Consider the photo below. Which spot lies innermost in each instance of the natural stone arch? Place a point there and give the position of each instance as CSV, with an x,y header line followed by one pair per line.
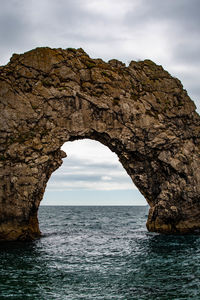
x,y
50,96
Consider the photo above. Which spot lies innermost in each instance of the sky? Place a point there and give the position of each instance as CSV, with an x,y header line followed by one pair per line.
x,y
167,32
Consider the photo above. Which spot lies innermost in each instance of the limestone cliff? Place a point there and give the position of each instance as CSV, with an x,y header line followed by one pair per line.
x,y
50,96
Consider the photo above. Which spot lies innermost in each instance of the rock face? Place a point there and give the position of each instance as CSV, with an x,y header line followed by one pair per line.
x,y
50,96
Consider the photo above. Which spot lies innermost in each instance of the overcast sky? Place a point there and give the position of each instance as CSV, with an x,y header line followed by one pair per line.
x,y
168,32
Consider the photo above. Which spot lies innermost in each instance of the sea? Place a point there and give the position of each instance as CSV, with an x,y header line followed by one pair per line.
x,y
100,253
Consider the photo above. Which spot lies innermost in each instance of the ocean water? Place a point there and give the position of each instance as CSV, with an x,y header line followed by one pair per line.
x,y
100,253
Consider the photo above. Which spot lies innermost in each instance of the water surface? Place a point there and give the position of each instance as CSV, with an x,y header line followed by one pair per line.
x,y
100,253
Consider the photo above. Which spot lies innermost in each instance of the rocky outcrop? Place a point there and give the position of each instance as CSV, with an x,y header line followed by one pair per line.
x,y
50,96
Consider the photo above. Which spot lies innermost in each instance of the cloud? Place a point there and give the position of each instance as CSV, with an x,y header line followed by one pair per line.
x,y
106,178
90,166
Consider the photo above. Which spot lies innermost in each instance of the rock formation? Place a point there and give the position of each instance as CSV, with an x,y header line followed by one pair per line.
x,y
51,96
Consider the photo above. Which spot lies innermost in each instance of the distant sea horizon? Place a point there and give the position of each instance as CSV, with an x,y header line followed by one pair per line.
x,y
92,205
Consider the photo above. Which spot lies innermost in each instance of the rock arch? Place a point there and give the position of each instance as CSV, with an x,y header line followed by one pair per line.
x,y
50,96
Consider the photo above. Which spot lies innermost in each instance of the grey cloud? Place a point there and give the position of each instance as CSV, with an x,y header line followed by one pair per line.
x,y
196,90
86,174
70,12
73,162
77,177
180,12
87,178
188,54
14,27
181,17
11,30
70,20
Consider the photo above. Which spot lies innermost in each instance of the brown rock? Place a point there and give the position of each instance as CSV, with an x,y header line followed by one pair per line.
x,y
50,96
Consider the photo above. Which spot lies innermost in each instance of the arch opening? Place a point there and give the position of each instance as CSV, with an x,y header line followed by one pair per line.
x,y
91,175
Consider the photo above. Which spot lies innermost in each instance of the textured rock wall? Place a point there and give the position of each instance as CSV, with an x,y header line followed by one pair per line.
x,y
50,96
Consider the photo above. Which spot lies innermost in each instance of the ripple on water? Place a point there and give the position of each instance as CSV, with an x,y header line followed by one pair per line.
x,y
100,253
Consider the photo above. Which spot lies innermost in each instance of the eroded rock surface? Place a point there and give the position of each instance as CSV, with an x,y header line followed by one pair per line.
x,y
50,96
